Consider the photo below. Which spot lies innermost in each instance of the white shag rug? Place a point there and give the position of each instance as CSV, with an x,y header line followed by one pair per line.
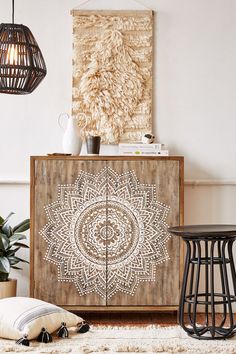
x,y
151,339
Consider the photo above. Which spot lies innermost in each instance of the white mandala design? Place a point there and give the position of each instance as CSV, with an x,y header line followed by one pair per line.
x,y
106,232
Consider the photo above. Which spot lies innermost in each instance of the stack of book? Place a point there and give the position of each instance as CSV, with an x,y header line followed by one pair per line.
x,y
142,149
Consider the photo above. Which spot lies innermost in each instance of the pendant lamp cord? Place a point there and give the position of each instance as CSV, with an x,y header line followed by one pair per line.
x,y
13,11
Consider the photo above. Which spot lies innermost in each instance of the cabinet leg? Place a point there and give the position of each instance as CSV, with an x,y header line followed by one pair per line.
x,y
177,318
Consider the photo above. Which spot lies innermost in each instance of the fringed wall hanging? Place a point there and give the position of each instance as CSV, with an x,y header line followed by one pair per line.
x,y
112,73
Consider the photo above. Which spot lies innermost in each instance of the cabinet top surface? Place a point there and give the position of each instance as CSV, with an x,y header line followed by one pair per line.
x,y
107,158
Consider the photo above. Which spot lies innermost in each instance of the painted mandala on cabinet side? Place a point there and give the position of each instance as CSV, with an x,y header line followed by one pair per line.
x,y
106,232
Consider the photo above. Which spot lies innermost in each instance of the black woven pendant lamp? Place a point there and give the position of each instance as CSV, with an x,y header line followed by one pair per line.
x,y
22,66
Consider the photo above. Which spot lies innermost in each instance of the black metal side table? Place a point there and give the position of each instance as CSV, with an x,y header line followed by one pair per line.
x,y
208,255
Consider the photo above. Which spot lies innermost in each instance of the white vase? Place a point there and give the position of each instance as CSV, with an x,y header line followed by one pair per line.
x,y
72,142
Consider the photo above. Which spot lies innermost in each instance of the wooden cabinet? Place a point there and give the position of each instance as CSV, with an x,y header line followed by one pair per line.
x,y
99,231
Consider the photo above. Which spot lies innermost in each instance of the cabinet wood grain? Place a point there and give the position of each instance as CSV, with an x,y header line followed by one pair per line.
x,y
98,231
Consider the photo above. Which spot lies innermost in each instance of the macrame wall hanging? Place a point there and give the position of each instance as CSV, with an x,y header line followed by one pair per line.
x,y
112,73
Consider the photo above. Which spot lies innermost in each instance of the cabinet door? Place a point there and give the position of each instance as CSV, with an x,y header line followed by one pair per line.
x,y
142,258
68,208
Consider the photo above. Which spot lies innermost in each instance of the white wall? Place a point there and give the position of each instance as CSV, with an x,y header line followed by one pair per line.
x,y
194,99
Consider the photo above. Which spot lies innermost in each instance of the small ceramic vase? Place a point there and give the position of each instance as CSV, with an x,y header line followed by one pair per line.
x,y
72,140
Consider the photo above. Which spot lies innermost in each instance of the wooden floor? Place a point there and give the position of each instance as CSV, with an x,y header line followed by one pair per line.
x,y
131,319
136,319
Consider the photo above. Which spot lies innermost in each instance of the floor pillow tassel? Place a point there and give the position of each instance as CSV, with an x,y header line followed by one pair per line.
x,y
44,336
23,341
83,327
63,331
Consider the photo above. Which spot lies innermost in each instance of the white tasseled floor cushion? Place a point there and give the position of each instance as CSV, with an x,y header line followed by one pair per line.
x,y
21,316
